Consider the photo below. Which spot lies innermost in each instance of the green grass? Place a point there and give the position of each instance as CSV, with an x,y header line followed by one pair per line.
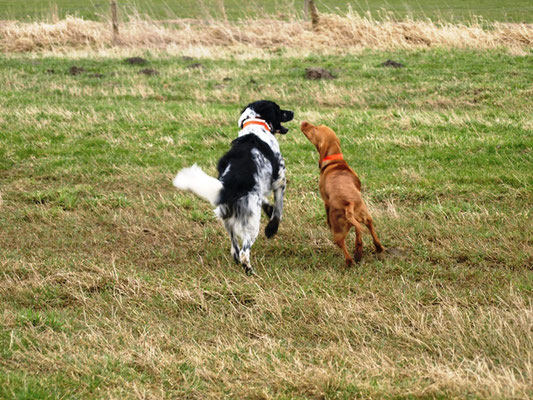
x,y
448,10
115,285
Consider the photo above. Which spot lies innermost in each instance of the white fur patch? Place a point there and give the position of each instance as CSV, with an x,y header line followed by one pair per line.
x,y
246,114
198,182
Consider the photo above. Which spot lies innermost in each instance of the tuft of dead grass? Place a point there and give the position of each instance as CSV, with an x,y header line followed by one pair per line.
x,y
335,33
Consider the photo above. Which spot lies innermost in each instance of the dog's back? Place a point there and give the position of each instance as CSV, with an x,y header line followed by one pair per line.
x,y
341,188
249,161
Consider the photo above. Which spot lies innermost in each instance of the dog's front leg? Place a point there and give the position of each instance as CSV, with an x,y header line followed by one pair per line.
x,y
267,208
279,192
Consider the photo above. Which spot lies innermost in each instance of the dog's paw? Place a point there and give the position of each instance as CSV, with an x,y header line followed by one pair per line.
x,y
268,209
272,227
248,270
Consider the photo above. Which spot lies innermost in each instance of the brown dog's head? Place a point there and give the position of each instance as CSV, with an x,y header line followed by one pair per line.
x,y
324,139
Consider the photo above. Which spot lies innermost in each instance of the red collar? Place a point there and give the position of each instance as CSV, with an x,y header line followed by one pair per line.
x,y
259,122
331,157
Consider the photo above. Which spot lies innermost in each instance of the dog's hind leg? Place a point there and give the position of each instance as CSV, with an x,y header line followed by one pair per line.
x,y
358,253
267,208
275,218
370,225
245,257
249,235
234,242
340,228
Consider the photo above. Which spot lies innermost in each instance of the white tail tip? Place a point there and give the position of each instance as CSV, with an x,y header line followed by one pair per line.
x,y
197,181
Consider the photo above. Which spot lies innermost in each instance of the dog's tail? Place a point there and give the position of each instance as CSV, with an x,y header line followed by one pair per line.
x,y
350,216
198,182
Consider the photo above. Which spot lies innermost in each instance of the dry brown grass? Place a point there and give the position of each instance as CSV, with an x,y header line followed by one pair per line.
x,y
219,336
334,34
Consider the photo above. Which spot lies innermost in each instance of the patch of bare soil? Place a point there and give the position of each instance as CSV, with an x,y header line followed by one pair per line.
x,y
392,64
76,70
318,73
136,61
149,71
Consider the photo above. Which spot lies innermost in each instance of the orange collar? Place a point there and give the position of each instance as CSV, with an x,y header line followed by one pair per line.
x,y
331,157
256,122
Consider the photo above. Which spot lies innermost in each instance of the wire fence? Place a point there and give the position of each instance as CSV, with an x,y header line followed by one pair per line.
x,y
445,10
330,32
31,10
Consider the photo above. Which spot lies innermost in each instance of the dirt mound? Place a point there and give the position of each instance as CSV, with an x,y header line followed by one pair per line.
x,y
149,72
318,73
76,70
195,66
392,64
136,61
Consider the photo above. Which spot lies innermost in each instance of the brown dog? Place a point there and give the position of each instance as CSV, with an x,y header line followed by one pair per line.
x,y
341,191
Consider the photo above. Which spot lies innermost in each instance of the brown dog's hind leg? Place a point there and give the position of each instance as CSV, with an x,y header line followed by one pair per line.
x,y
377,243
340,229
358,254
340,241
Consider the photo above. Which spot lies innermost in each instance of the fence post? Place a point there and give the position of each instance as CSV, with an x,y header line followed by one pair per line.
x,y
310,9
114,18
55,14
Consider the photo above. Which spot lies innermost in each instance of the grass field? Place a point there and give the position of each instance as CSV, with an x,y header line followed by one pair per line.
x,y
114,285
447,10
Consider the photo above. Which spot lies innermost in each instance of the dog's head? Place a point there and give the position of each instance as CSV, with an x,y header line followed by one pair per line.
x,y
324,139
268,111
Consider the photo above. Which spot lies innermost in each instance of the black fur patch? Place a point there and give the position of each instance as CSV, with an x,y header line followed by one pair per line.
x,y
272,227
268,209
240,180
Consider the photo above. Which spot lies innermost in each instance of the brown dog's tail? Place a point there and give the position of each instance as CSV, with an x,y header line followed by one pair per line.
x,y
348,210
350,216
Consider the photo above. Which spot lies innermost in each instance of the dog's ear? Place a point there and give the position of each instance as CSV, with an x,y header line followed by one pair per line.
x,y
273,114
329,141
310,133
267,112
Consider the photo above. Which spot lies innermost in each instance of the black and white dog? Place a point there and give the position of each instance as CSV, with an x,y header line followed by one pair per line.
x,y
247,174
